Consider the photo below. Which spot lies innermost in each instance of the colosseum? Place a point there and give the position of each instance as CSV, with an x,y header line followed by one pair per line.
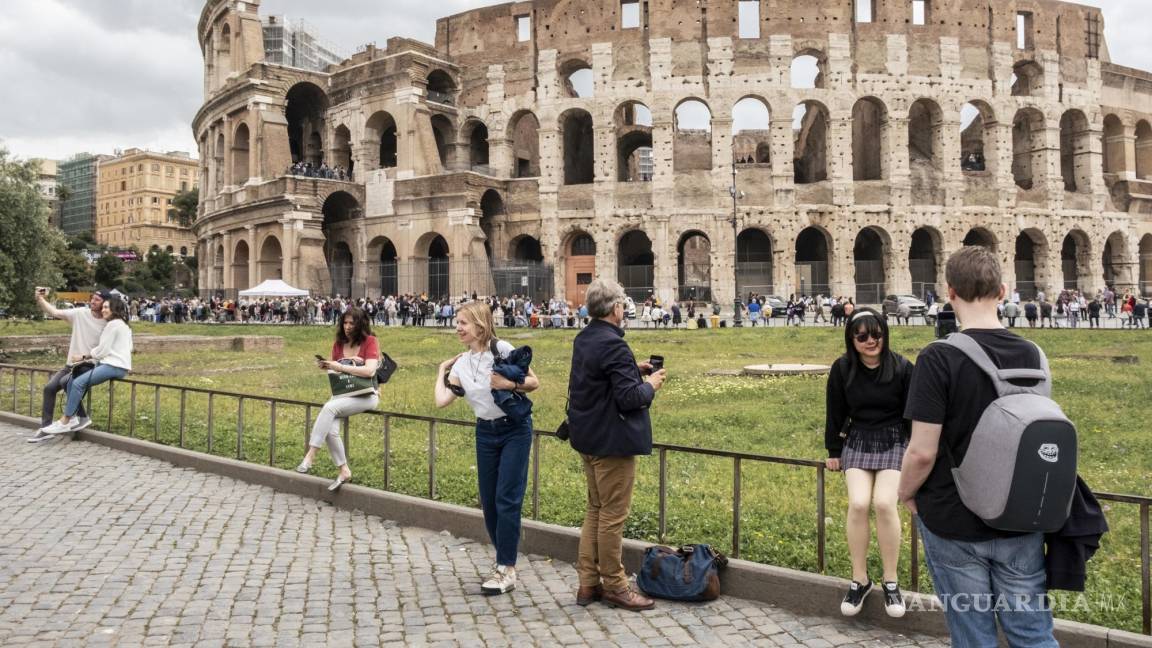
x,y
688,148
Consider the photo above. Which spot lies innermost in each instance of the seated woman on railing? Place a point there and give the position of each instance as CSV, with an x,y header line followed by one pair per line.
x,y
111,359
355,352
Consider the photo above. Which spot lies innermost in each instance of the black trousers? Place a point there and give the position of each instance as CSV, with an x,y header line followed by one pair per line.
x,y
58,382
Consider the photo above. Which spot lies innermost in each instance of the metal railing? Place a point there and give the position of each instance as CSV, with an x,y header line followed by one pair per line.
x,y
662,450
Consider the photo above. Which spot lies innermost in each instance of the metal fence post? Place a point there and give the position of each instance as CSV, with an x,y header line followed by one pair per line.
x,y
1145,571
111,402
821,529
432,460
914,561
736,507
132,411
387,451
183,414
272,434
535,476
211,419
240,428
663,495
156,415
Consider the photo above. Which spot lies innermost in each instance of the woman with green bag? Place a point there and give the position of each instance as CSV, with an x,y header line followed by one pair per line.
x,y
356,353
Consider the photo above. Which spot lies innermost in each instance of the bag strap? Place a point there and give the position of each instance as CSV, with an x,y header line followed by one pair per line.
x,y
1001,377
495,352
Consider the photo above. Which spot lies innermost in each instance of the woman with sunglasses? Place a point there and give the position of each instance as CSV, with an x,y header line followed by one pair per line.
x,y
866,435
503,442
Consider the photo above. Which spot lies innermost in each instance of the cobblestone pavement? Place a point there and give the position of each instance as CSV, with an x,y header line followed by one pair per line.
x,y
100,547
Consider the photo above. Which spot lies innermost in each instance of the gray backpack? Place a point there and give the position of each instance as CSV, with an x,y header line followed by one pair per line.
x,y
1020,470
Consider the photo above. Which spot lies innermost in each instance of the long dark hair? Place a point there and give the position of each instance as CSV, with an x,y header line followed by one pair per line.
x,y
362,327
868,320
117,308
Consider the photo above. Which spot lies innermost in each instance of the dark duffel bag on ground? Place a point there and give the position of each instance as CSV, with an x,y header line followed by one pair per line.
x,y
690,573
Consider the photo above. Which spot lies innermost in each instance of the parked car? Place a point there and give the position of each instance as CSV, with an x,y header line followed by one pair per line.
x,y
778,306
892,304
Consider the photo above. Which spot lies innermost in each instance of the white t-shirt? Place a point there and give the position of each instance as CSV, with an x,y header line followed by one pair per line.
x,y
474,371
86,330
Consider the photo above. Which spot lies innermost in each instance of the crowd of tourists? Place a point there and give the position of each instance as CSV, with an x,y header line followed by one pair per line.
x,y
899,433
325,172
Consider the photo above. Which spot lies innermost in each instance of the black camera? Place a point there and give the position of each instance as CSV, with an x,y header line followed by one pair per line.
x,y
657,362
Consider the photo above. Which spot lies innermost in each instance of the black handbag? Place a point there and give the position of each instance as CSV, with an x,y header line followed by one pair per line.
x,y
563,431
82,367
386,368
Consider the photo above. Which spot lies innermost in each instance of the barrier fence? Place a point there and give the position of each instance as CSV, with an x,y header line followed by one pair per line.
x,y
14,377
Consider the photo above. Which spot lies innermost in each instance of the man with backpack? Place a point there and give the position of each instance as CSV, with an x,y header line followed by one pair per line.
x,y
984,567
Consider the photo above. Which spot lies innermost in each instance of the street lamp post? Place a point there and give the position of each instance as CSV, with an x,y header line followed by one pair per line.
x,y
736,195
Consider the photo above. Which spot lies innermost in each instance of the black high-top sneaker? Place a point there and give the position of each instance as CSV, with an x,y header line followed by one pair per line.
x,y
854,599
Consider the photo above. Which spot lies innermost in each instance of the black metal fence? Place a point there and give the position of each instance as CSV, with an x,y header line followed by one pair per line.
x,y
14,378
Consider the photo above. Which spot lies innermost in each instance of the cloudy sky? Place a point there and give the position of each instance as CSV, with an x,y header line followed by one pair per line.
x,y
97,75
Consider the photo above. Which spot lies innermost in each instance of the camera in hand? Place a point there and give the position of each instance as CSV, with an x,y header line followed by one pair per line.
x,y
657,362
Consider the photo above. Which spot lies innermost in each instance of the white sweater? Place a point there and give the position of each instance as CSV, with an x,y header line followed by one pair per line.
x,y
115,348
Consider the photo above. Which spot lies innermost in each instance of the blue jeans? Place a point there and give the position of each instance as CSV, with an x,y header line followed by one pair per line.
x,y
980,582
79,386
502,450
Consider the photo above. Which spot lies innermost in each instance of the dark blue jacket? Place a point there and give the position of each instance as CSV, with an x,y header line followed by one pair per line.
x,y
608,406
514,368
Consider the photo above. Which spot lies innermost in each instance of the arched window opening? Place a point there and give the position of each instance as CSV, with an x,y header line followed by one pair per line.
x,y
981,237
439,269
810,134
1143,150
694,268
812,263
1030,248
868,255
1074,256
924,263
306,108
381,130
240,155
443,134
634,158
1027,79
271,263
579,267
869,139
925,133
751,132
527,248
1075,151
579,152
1115,261
1146,265
525,136
1114,157
977,135
692,139
808,70
635,265
342,149
478,147
578,79
583,245
491,210
389,276
754,271
240,278
1028,149
441,88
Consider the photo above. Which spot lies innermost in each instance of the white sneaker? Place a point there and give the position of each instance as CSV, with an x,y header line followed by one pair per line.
x,y
41,436
60,427
81,423
501,581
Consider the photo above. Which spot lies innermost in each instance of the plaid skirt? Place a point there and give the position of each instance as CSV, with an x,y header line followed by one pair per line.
x,y
881,449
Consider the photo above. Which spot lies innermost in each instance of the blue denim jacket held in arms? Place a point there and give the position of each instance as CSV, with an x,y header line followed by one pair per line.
x,y
608,406
515,368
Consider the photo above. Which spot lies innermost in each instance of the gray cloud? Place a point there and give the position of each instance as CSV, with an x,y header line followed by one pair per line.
x,y
102,74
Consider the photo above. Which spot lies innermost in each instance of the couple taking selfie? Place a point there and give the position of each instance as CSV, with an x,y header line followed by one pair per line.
x,y
607,415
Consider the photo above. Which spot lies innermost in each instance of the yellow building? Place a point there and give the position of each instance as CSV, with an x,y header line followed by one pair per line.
x,y
134,201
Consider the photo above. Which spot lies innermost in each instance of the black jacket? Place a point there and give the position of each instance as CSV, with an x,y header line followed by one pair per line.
x,y
608,406
1068,550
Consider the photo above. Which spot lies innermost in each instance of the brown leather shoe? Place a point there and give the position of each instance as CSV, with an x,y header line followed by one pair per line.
x,y
588,595
628,599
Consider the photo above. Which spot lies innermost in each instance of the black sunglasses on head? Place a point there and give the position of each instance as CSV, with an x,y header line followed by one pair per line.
x,y
863,337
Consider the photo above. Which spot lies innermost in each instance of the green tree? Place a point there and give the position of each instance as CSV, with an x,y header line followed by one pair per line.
x,y
27,240
155,274
185,205
73,267
109,270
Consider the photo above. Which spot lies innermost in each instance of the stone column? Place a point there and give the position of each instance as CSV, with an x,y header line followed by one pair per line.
x,y
839,151
783,153
288,252
253,257
899,167
229,284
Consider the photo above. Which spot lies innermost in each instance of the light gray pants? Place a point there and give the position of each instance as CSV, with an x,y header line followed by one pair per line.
x,y
327,427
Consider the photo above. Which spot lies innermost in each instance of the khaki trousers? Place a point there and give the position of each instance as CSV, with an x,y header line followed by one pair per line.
x,y
610,481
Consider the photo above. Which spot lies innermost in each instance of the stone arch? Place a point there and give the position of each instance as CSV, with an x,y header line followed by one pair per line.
x,y
579,265
1143,150
694,267
1145,279
1117,268
1029,262
926,261
978,141
1028,148
342,149
492,209
982,237
381,134
577,79
752,131
218,267
441,87
218,161
270,263
241,154
813,254
306,106
340,210
692,136
634,152
926,132
526,248
444,133
1115,158
809,69
810,121
576,130
1075,260
439,268
635,264
383,250
754,262
1027,79
475,134
1075,151
240,259
524,134
869,139
226,64
870,252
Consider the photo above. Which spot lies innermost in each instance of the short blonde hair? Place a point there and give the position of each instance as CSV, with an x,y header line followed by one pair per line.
x,y
480,314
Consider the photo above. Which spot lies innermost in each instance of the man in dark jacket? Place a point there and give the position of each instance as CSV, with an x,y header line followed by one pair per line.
x,y
609,423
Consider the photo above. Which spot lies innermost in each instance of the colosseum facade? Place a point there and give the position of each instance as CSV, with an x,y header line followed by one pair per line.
x,y
689,148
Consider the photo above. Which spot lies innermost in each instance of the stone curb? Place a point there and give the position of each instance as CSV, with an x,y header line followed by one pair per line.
x,y
796,591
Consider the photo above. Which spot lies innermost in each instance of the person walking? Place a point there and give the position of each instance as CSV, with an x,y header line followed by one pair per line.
x,y
866,435
984,575
609,426
87,324
357,353
503,441
111,358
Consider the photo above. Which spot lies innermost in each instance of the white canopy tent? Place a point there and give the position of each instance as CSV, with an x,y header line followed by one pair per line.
x,y
273,288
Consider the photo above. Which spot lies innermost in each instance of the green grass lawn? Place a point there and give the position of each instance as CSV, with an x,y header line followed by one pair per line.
x,y
770,416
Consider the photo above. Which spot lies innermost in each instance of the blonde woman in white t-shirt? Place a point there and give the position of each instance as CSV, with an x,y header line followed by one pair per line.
x,y
503,443
113,358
